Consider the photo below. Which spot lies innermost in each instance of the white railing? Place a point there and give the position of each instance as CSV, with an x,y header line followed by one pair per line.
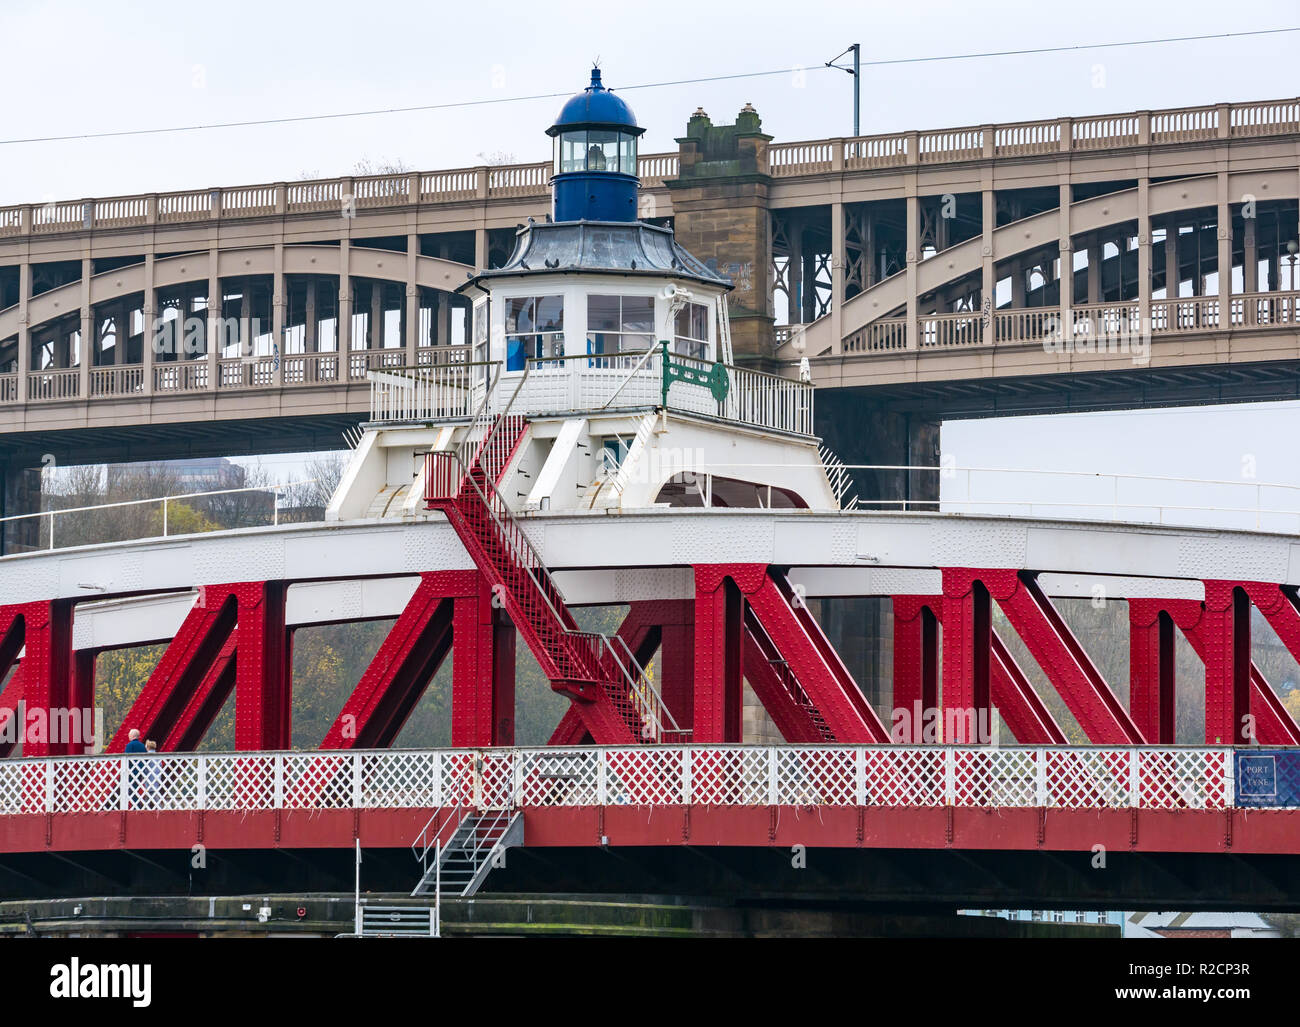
x,y
1120,320
61,384
181,376
1081,777
126,380
635,381
428,392
165,504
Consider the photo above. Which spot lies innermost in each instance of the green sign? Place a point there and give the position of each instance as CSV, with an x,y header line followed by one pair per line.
x,y
714,378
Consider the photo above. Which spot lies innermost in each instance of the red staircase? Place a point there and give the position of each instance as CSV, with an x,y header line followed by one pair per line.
x,y
616,701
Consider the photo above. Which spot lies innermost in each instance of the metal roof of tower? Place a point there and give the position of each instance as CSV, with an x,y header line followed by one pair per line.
x,y
595,107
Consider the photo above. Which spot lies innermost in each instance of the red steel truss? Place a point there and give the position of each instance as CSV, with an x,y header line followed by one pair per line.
x,y
745,623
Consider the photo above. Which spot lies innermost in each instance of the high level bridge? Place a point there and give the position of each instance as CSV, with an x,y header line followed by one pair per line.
x,y
918,271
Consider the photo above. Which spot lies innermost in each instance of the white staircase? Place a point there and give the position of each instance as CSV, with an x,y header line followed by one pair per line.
x,y
607,489
456,849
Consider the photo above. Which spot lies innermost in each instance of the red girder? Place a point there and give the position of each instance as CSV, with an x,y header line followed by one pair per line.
x,y
916,622
723,591
1216,636
1029,612
9,700
243,622
798,722
204,705
50,691
408,657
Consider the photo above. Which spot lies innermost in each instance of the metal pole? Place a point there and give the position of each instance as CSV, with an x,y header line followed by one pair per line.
x,y
857,87
437,889
357,907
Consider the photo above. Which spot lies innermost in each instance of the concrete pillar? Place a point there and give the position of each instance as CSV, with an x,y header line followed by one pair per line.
x,y
1172,271
721,210
1066,250
310,341
837,275
345,307
412,326
988,272
1250,257
88,339
20,493
913,258
1144,256
146,344
278,299
214,319
24,329
480,248
442,324
1223,224
1017,281
1096,254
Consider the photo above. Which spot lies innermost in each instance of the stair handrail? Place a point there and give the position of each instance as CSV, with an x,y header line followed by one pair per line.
x,y
425,842
657,710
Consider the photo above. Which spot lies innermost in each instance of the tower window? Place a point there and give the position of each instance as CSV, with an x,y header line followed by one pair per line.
x,y
619,325
691,335
596,150
534,329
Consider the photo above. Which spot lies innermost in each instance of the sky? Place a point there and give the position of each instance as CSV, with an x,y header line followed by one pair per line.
x,y
166,64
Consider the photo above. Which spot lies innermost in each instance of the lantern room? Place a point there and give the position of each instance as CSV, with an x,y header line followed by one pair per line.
x,y
595,171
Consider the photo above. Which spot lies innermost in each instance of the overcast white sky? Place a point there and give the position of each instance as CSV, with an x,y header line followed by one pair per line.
x,y
73,68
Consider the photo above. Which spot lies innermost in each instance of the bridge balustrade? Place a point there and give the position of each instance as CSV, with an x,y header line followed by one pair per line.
x,y
1081,777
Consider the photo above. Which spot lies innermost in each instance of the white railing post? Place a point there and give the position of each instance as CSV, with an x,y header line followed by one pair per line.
x,y
277,778
1229,778
1040,777
435,800
1134,777
356,780
771,775
949,775
860,775
686,776
124,785
49,786
602,794
201,788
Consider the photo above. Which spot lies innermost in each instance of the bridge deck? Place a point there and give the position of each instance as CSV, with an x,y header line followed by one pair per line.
x,y
1168,799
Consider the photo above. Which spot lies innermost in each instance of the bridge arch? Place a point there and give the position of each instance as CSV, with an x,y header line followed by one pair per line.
x,y
194,268
1041,230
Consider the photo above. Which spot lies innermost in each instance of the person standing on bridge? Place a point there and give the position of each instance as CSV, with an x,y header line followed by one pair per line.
x,y
133,748
152,775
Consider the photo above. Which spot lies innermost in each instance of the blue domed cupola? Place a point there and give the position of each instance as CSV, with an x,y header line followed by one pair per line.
x,y
595,176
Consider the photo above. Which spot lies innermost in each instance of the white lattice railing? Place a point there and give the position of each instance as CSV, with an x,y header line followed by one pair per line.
x,y
1080,777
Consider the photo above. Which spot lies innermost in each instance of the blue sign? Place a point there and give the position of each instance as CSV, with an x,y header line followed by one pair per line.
x,y
1267,779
